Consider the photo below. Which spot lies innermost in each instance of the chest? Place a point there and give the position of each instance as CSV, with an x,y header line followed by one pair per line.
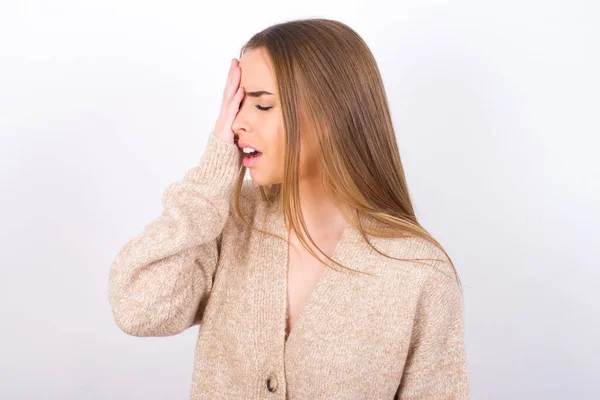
x,y
303,273
343,326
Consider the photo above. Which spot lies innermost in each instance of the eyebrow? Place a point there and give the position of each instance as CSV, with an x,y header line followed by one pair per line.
x,y
258,93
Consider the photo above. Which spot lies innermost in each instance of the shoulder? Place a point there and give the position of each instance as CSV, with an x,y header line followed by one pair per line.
x,y
415,251
419,258
439,277
432,256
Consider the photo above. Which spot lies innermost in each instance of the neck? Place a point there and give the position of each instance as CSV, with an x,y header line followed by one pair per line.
x,y
322,213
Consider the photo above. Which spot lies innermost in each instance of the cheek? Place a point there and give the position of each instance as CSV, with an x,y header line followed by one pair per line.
x,y
275,150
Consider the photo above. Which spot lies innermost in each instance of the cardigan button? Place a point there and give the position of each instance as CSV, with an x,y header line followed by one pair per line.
x,y
272,383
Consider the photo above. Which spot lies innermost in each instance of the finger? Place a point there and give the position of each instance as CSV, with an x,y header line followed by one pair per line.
x,y
234,104
232,84
229,74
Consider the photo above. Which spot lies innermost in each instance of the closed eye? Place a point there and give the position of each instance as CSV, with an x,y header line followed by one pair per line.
x,y
263,108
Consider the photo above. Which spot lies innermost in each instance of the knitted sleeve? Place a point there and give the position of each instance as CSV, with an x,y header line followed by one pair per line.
x,y
436,367
160,280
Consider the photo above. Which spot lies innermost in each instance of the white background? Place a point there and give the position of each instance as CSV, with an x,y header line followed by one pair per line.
x,y
495,105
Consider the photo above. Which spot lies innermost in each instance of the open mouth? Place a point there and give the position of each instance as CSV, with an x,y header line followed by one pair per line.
x,y
253,154
248,152
251,160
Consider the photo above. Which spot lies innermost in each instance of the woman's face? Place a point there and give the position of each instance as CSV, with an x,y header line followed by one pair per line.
x,y
263,128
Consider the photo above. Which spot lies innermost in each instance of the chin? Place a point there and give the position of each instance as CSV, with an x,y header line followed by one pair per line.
x,y
256,177
260,179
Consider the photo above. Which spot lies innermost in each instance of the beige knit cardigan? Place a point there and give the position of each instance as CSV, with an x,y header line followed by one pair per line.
x,y
395,335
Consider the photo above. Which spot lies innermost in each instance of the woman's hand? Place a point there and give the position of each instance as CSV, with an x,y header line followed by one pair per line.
x,y
232,97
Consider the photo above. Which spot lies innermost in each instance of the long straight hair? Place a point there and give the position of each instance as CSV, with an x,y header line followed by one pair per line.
x,y
331,89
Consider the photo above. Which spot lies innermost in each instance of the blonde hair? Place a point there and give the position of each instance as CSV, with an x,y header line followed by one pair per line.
x,y
325,69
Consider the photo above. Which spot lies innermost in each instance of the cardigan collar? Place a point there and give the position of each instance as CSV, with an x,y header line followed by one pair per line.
x,y
320,300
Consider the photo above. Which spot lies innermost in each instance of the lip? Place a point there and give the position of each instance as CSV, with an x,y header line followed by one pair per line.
x,y
241,145
250,162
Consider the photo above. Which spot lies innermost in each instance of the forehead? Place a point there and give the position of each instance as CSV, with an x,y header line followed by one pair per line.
x,y
257,73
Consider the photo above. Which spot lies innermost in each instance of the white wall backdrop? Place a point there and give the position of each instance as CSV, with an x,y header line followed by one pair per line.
x,y
496,106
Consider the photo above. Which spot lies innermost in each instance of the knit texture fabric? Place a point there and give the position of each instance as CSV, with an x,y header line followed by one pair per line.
x,y
395,335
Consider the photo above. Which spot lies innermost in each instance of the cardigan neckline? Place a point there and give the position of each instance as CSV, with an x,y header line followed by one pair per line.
x,y
312,304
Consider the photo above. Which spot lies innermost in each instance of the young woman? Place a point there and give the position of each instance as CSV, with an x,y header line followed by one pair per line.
x,y
313,279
